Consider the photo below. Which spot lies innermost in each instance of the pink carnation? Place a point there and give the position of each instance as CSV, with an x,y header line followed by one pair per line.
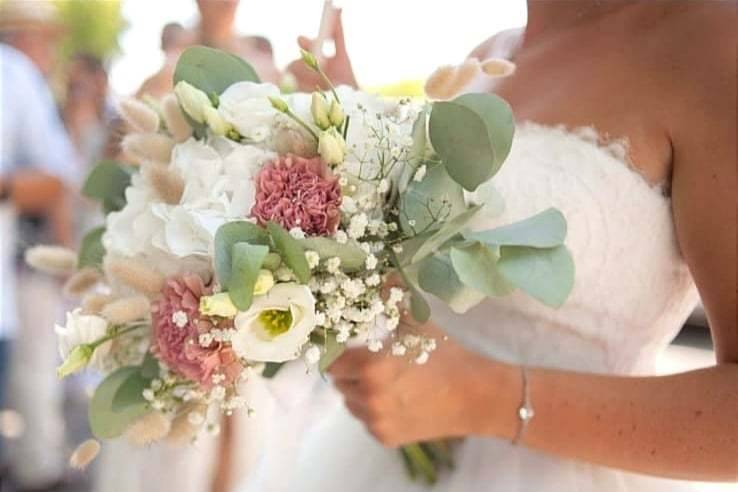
x,y
177,326
298,192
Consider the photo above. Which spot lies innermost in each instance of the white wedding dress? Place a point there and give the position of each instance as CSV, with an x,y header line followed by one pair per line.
x,y
632,294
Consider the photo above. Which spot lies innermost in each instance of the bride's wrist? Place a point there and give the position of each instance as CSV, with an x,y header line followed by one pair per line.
x,y
493,400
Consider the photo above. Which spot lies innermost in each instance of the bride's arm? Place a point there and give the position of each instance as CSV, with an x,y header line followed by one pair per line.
x,y
682,426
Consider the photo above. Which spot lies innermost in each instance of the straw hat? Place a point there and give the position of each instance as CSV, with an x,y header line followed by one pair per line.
x,y
21,15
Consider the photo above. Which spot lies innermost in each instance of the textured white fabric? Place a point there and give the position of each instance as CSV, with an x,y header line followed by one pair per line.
x,y
631,296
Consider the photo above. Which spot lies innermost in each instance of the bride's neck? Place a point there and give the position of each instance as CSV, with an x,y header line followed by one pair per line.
x,y
548,15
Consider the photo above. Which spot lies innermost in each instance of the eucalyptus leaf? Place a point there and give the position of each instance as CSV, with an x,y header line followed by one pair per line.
x,y
546,274
448,230
130,393
272,261
330,351
352,256
150,366
212,70
428,202
291,251
476,266
544,230
225,237
473,135
419,307
417,150
105,421
107,183
246,262
436,276
271,369
91,250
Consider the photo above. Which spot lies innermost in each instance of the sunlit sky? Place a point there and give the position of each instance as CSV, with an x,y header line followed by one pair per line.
x,y
388,40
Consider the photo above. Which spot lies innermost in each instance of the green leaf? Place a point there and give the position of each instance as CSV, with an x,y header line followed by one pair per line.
x,y
291,250
212,70
419,307
271,369
247,260
436,198
352,257
272,261
436,276
225,237
544,230
417,150
107,422
92,251
107,183
330,351
448,230
150,366
473,135
476,267
130,393
545,274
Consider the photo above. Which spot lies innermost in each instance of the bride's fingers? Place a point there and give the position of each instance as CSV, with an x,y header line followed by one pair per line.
x,y
351,364
338,38
305,43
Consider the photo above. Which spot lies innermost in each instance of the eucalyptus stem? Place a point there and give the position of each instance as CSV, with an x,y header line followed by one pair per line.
x,y
115,334
300,122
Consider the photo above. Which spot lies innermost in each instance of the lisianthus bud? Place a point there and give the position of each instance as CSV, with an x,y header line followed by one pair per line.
x,y
193,100
309,59
336,114
331,147
218,305
319,110
264,283
76,360
279,104
215,121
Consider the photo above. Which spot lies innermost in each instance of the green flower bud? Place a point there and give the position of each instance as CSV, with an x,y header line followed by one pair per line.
x,y
193,100
218,305
319,110
215,121
279,104
309,59
77,360
264,282
336,114
331,147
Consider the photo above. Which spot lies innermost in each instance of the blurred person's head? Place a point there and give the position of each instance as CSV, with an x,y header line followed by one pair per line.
x,y
87,79
33,28
174,38
217,17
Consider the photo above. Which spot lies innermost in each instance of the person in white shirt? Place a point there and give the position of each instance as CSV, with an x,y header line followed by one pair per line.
x,y
38,168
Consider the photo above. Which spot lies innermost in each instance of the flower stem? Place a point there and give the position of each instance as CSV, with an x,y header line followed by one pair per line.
x,y
302,124
116,332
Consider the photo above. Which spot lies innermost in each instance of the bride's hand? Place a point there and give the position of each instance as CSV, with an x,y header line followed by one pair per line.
x,y
401,402
337,67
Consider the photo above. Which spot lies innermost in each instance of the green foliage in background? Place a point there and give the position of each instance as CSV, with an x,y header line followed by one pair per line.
x,y
92,26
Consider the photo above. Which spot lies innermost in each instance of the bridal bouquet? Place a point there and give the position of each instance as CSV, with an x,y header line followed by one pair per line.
x,y
259,228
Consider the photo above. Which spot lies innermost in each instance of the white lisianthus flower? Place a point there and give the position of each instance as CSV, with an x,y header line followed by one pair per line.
x,y
246,106
277,324
193,100
79,330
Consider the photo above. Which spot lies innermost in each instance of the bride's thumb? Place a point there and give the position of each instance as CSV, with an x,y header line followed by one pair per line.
x,y
305,43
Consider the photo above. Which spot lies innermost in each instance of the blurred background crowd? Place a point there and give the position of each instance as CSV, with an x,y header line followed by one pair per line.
x,y
63,65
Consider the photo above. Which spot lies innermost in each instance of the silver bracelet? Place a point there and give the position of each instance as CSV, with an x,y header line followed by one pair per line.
x,y
525,412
